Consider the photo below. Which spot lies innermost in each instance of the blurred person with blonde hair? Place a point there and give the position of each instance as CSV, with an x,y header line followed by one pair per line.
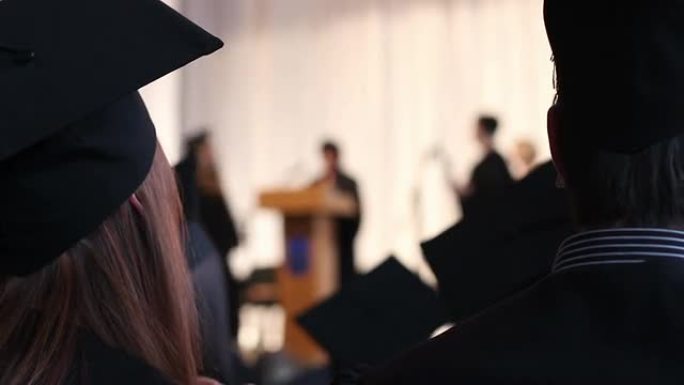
x,y
524,158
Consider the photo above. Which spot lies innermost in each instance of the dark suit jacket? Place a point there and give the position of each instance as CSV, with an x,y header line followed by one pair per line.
x,y
347,228
489,178
491,174
344,183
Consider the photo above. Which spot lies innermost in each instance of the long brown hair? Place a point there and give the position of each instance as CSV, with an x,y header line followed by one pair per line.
x,y
127,284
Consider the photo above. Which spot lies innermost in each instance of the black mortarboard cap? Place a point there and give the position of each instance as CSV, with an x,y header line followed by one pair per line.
x,y
376,316
506,243
620,67
76,139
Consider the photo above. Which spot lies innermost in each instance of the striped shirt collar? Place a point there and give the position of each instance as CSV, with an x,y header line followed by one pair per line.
x,y
619,246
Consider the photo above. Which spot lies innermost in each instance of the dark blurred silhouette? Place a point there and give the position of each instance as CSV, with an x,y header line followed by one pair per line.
x,y
210,279
215,216
213,209
347,227
491,174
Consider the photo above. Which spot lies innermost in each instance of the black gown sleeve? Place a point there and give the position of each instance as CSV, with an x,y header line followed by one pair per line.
x,y
99,364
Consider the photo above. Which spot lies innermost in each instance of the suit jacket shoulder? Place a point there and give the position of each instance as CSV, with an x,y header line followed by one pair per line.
x,y
346,183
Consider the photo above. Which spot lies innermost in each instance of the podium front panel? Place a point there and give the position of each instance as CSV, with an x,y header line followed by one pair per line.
x,y
308,276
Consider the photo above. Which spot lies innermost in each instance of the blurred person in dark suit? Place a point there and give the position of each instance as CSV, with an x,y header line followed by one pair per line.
x,y
347,227
491,174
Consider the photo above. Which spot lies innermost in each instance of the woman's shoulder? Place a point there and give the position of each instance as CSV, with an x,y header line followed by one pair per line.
x,y
99,364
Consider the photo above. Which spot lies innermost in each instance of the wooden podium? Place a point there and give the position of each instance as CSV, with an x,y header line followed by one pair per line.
x,y
310,271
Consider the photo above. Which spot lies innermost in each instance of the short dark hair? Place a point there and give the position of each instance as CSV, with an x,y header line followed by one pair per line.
x,y
330,146
607,188
198,140
489,123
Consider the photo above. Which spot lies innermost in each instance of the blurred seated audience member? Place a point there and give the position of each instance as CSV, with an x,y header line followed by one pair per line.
x,y
216,217
347,227
214,210
524,158
491,174
210,280
610,312
94,286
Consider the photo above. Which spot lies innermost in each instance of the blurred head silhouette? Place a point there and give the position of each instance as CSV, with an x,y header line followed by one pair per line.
x,y
485,131
331,156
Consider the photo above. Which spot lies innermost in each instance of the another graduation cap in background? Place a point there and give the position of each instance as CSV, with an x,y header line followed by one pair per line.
x,y
505,245
75,137
376,316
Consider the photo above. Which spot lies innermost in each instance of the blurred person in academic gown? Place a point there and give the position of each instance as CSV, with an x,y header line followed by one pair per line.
x,y
94,285
346,227
491,174
610,310
210,279
215,216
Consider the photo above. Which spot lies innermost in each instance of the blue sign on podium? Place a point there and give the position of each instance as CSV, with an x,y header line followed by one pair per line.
x,y
299,255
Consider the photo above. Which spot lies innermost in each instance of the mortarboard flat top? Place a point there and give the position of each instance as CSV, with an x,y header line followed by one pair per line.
x,y
75,138
620,66
376,316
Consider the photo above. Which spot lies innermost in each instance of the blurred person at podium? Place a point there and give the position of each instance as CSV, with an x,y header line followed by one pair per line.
x,y
347,227
491,174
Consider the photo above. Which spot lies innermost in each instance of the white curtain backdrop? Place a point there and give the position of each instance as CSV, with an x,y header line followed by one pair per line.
x,y
164,101
398,83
